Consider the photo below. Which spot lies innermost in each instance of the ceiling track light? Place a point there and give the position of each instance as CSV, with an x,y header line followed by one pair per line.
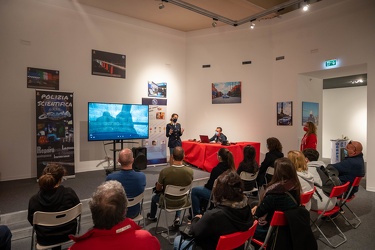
x,y
305,7
252,25
161,6
214,23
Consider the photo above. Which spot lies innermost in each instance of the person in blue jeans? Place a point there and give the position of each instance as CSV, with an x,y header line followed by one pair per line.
x,y
226,162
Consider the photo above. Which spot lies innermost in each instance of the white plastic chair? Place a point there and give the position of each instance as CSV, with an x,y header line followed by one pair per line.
x,y
269,171
134,201
245,176
176,192
51,219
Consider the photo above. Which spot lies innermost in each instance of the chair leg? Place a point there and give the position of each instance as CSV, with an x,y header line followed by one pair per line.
x,y
356,218
157,222
341,234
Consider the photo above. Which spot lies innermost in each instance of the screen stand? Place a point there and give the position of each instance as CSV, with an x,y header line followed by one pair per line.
x,y
115,150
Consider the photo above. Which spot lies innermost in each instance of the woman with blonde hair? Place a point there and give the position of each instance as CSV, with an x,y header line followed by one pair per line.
x,y
305,177
309,139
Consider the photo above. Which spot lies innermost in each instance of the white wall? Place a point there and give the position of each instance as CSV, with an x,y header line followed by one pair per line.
x,y
306,41
344,114
62,35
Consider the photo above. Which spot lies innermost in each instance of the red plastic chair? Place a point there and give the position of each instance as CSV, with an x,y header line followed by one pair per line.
x,y
336,192
237,239
346,199
278,219
306,197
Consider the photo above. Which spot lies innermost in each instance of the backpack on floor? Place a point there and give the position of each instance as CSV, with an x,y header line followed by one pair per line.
x,y
329,179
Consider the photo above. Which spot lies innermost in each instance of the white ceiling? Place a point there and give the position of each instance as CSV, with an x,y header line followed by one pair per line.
x,y
179,18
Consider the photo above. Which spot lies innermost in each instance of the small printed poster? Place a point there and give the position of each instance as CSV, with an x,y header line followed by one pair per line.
x,y
226,92
157,89
284,113
43,78
108,64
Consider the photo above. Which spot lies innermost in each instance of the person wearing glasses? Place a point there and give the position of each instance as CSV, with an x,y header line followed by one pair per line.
x,y
353,165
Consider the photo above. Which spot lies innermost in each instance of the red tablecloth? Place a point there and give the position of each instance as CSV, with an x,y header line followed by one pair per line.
x,y
204,155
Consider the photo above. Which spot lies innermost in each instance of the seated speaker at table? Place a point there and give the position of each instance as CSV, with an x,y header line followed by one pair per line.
x,y
219,137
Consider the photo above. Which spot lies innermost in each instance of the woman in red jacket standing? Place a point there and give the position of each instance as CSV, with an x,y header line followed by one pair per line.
x,y
309,139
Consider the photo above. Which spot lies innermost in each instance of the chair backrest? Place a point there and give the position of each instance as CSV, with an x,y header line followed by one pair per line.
x,y
177,190
356,181
248,176
278,219
270,171
339,190
135,200
234,240
51,219
305,197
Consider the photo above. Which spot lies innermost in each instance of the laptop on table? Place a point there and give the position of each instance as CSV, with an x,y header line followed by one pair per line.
x,y
204,139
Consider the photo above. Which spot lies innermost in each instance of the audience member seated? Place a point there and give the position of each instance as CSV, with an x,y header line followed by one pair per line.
x,y
352,166
305,177
230,214
218,137
274,152
53,197
276,197
5,238
226,162
319,199
177,174
112,230
248,165
133,182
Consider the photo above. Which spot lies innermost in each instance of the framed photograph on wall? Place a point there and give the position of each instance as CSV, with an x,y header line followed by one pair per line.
x,y
226,92
284,111
108,64
157,89
310,112
43,78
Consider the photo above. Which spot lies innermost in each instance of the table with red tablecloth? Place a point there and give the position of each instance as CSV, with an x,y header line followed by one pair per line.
x,y
204,155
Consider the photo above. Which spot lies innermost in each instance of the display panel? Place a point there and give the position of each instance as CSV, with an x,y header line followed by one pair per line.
x,y
116,121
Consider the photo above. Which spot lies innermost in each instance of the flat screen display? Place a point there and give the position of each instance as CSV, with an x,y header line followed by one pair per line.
x,y
116,121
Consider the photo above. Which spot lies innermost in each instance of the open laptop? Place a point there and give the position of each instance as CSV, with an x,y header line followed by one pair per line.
x,y
204,139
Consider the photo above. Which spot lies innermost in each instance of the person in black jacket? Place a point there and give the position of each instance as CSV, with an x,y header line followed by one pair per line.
x,y
274,152
226,162
276,197
230,214
53,197
249,165
173,132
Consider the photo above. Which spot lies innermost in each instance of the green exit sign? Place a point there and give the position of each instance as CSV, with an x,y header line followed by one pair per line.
x,y
331,63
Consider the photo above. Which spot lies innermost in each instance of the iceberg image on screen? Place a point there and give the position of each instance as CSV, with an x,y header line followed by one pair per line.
x,y
115,121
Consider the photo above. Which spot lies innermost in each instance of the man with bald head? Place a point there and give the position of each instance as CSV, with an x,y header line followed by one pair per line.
x,y
133,182
353,165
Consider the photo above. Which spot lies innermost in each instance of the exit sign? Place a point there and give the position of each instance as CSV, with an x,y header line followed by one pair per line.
x,y
331,63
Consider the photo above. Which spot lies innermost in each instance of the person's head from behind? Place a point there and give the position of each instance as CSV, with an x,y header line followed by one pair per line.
x,y
298,160
249,153
224,155
285,171
108,205
178,153
125,157
311,154
51,177
229,187
309,127
273,144
353,148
